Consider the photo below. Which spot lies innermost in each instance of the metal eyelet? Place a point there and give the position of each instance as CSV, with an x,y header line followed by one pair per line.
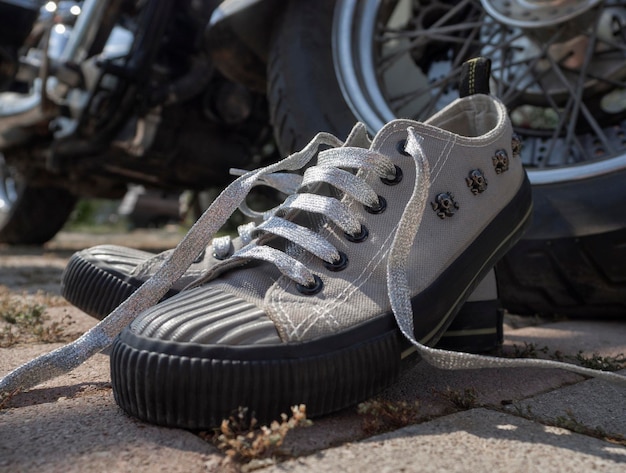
x,y
339,265
359,237
377,208
311,289
221,257
400,147
200,257
394,180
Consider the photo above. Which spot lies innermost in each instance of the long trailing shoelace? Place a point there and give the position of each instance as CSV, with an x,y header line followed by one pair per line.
x,y
330,169
399,292
99,337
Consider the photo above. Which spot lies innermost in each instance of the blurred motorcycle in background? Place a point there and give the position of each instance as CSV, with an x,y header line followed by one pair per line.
x,y
102,93
170,103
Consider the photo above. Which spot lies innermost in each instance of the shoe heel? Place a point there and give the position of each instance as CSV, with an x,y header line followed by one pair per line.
x,y
478,325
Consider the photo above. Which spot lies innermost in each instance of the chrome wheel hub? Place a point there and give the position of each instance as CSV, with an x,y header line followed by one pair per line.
x,y
536,13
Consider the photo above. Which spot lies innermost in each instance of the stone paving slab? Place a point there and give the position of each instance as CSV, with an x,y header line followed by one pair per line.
x,y
148,239
506,385
604,337
474,440
594,405
72,424
89,433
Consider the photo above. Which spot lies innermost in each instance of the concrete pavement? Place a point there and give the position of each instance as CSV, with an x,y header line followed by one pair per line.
x,y
498,420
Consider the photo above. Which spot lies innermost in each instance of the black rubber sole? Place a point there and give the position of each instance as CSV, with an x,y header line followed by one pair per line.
x,y
196,386
198,393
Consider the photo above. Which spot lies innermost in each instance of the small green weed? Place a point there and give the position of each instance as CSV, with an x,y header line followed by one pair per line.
x,y
5,397
593,361
380,415
598,362
529,350
569,422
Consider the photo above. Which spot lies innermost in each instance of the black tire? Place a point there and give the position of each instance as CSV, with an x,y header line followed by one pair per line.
x,y
571,263
35,215
303,92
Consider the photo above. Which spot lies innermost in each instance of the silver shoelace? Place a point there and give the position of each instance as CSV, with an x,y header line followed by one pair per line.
x,y
287,183
330,169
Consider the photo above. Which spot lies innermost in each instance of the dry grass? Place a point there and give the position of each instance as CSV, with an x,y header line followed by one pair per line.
x,y
23,319
380,415
461,399
251,446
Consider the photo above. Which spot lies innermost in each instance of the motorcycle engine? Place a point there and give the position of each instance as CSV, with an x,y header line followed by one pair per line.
x,y
126,93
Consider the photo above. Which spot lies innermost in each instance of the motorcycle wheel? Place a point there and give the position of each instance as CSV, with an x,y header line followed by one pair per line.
x,y
561,70
30,215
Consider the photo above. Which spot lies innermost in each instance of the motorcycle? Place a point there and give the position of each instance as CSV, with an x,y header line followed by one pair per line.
x,y
560,67
98,95
305,67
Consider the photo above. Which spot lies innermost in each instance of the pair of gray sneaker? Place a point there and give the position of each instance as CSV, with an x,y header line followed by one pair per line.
x,y
370,263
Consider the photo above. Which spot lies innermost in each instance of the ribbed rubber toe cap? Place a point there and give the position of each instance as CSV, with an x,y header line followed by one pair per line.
x,y
207,317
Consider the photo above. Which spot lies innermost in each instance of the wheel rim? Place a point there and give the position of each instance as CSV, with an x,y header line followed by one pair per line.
x,y
560,67
8,190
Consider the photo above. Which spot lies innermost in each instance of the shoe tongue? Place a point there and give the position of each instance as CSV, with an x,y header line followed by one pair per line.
x,y
475,75
249,285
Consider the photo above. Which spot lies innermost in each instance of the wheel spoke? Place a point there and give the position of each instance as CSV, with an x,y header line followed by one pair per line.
x,y
564,87
579,105
441,32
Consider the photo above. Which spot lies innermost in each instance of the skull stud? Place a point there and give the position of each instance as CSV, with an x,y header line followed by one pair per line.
x,y
501,161
476,181
516,145
444,205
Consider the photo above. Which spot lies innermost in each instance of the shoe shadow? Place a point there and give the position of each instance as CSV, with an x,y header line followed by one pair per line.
x,y
53,394
80,428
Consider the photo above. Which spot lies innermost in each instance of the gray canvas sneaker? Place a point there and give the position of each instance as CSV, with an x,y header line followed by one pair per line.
x,y
100,278
367,264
